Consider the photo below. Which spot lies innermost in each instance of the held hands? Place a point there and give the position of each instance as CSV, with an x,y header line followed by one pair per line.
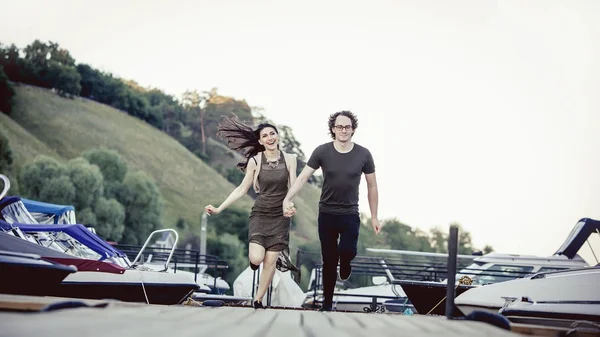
x,y
376,225
288,209
210,209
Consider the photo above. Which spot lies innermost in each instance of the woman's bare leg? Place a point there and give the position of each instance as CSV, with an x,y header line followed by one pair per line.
x,y
256,253
267,274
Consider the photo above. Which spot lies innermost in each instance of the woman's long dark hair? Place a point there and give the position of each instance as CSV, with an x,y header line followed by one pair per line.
x,y
240,137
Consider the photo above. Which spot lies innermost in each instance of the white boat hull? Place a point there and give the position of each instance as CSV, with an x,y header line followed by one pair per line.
x,y
570,285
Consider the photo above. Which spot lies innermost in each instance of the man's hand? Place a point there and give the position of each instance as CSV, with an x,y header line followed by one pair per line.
x,y
376,225
288,209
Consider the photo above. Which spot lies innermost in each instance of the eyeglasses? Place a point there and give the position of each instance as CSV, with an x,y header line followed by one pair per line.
x,y
342,127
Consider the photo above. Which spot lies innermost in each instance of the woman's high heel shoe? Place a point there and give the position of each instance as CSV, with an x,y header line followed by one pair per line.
x,y
258,305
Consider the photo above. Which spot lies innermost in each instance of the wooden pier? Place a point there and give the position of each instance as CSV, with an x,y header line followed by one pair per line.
x,y
24,316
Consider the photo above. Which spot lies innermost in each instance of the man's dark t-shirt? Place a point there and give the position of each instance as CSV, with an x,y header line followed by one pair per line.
x,y
341,173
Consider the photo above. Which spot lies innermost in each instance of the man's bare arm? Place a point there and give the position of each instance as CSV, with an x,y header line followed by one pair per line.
x,y
373,196
306,173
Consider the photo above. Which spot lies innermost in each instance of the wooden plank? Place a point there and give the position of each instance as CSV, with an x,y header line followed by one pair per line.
x,y
255,323
376,323
316,323
289,323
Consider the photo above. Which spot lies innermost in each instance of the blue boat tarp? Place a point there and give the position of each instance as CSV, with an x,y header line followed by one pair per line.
x,y
17,209
76,231
8,200
44,207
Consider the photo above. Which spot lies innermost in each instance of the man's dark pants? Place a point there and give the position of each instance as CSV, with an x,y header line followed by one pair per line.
x,y
332,226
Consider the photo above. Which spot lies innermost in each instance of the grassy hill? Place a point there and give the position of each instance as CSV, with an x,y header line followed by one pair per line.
x,y
24,145
44,123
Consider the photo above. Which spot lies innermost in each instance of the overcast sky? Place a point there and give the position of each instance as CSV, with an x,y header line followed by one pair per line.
x,y
484,113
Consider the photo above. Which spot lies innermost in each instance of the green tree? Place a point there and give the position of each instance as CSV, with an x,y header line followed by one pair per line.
x,y
6,163
439,240
34,175
88,182
230,249
111,219
87,216
112,166
49,66
6,154
289,143
193,104
11,62
57,190
92,82
234,175
169,110
233,220
401,236
367,237
465,245
181,224
65,79
143,206
217,106
6,93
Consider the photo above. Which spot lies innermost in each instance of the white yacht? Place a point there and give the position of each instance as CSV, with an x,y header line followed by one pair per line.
x,y
576,285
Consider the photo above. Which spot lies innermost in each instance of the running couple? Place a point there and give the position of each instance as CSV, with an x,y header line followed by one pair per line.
x,y
272,174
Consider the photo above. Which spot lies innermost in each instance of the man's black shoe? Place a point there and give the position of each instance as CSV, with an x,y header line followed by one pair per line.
x,y
258,305
345,271
324,309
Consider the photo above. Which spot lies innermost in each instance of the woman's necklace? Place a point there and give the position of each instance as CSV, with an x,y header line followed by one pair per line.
x,y
272,164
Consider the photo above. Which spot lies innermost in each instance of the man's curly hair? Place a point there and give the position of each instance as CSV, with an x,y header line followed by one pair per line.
x,y
348,114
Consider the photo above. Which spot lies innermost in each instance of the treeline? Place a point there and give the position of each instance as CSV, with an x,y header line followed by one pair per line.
x,y
192,120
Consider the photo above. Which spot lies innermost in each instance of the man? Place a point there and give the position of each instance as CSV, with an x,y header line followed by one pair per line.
x,y
342,162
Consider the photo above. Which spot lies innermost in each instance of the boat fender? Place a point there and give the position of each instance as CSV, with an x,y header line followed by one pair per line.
x,y
487,317
71,305
213,303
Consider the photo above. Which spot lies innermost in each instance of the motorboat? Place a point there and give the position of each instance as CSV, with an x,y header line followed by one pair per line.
x,y
429,297
576,286
98,279
561,295
53,228
551,305
21,274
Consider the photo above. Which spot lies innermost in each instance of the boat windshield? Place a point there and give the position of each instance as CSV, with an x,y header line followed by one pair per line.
x,y
492,273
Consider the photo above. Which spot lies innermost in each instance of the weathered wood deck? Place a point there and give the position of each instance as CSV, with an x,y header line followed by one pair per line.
x,y
21,316
132,320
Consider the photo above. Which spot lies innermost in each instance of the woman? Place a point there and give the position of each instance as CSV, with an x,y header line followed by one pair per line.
x,y
271,172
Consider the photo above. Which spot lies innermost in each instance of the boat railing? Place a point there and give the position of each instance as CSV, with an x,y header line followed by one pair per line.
x,y
6,186
137,258
181,258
